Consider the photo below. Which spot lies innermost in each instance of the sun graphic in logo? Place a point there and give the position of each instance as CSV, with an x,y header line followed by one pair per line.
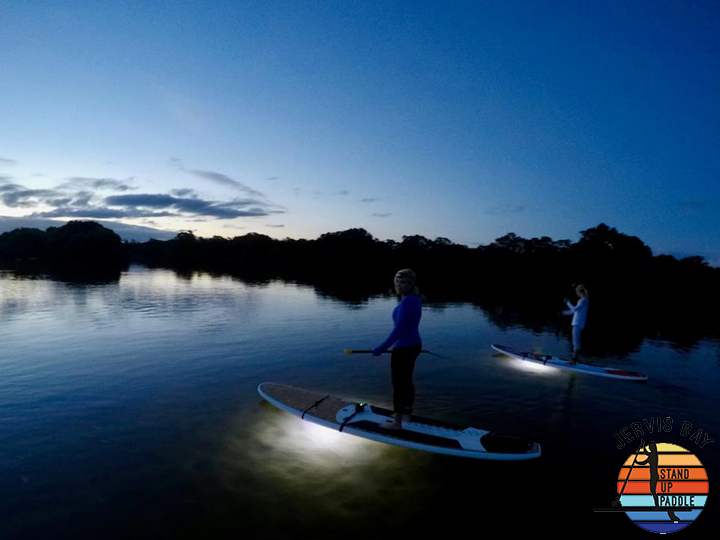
x,y
662,487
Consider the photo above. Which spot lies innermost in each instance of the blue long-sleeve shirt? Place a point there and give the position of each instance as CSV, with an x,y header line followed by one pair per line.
x,y
406,317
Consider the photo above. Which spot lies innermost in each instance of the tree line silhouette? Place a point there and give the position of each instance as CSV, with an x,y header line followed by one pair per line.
x,y
77,243
516,280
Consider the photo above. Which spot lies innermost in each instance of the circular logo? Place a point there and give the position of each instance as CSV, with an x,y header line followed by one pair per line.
x,y
662,487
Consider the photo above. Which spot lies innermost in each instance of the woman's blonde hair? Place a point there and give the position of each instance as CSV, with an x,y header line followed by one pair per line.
x,y
408,275
581,290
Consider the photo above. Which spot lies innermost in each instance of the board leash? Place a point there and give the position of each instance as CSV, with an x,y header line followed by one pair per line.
x,y
359,407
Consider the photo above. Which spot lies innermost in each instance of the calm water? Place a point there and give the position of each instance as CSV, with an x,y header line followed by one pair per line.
x,y
130,410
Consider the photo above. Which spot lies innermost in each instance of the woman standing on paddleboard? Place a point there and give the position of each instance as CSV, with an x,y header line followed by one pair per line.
x,y
407,346
579,313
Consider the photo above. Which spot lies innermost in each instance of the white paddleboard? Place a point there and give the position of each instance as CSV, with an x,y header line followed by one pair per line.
x,y
559,363
364,420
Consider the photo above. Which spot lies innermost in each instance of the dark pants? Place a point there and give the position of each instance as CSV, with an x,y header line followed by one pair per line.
x,y
402,365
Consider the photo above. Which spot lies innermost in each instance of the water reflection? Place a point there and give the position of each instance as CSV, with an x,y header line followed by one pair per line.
x,y
609,332
142,392
71,275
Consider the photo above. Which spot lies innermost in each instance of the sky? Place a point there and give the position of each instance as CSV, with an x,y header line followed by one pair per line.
x,y
463,120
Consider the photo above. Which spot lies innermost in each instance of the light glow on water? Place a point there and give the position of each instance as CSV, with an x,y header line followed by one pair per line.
x,y
532,367
329,472
288,437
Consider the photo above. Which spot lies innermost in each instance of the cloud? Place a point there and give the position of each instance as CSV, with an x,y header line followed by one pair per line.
x,y
273,179
224,180
381,215
275,226
318,194
369,200
100,212
183,192
144,200
10,223
181,203
10,162
17,196
216,177
59,202
139,233
504,209
193,206
97,183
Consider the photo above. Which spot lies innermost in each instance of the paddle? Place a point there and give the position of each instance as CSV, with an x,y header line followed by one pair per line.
x,y
370,351
617,499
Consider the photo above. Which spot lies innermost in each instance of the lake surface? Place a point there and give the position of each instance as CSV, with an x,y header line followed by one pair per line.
x,y
129,409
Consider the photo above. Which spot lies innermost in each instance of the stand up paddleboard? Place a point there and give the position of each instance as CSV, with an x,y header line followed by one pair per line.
x,y
553,361
364,420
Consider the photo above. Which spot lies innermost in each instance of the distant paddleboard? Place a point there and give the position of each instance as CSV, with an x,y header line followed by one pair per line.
x,y
364,420
555,362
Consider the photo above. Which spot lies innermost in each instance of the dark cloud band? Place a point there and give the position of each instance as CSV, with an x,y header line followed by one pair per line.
x,y
194,206
226,181
216,177
79,182
85,203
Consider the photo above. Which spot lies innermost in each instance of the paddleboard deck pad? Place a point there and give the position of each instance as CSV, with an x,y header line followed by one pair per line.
x,y
559,363
364,420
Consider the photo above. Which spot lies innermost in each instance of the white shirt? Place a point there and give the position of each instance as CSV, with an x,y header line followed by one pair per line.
x,y
579,312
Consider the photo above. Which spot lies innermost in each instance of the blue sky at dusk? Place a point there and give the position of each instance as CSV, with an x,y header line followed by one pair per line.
x,y
295,118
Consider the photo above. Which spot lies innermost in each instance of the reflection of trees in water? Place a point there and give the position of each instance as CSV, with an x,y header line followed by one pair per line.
x,y
601,337
606,334
251,278
71,275
517,282
349,296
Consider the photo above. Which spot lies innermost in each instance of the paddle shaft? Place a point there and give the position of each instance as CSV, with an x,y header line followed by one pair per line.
x,y
617,499
370,351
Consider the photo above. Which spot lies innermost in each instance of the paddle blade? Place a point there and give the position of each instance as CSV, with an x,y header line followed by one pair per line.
x,y
348,351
